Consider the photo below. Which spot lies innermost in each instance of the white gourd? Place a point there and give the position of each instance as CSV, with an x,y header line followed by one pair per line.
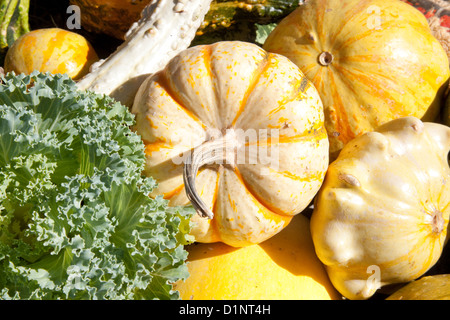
x,y
382,214
165,29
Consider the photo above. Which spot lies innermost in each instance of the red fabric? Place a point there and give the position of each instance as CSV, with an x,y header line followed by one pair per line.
x,y
445,21
429,9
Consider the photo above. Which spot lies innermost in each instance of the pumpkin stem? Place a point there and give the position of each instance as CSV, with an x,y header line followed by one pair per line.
x,y
325,58
220,150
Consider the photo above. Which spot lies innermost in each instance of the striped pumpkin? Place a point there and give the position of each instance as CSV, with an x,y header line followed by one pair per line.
x,y
371,61
258,123
51,50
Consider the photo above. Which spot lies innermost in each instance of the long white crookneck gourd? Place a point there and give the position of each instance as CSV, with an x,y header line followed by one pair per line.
x,y
166,27
381,216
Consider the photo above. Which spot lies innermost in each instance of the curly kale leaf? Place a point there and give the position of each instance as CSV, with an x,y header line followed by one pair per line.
x,y
76,221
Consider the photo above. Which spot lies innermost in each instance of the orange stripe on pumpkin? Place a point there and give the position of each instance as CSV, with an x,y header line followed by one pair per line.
x,y
317,176
322,6
232,203
269,212
350,15
156,145
317,132
263,67
374,88
169,195
317,78
339,113
297,93
162,79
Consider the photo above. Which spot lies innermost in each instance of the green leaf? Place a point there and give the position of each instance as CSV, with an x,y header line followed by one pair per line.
x,y
263,31
76,221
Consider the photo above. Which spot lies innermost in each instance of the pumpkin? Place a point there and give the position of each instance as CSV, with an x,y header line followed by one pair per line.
x,y
435,287
437,13
381,216
115,17
51,50
237,132
282,267
372,61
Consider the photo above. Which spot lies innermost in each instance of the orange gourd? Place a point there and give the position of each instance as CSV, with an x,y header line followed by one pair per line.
x,y
111,17
372,61
237,132
51,50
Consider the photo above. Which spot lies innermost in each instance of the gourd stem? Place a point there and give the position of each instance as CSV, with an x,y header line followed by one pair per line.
x,y
325,58
215,151
438,222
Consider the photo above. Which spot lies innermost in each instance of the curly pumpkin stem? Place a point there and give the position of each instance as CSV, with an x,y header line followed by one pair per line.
x,y
220,151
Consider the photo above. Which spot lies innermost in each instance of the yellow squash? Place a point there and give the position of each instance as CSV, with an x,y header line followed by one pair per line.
x,y
239,133
435,287
283,267
372,61
381,216
51,50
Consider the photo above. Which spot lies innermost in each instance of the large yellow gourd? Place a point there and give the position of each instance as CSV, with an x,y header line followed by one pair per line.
x,y
283,267
382,214
372,61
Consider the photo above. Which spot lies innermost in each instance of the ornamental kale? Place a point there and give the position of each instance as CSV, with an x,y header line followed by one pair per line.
x,y
76,221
